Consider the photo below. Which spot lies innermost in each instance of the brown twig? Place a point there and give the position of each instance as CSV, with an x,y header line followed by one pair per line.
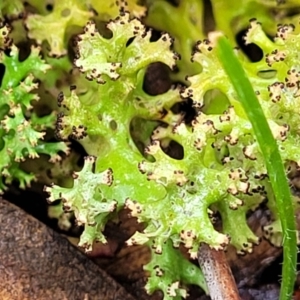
x,y
218,276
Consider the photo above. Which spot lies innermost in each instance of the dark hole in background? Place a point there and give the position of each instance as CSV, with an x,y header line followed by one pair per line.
x,y
174,150
272,273
34,203
157,80
7,52
187,108
71,48
253,52
2,72
293,12
49,7
33,200
208,18
174,2
130,41
24,50
155,34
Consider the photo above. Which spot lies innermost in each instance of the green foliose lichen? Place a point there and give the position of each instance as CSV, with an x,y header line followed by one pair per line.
x,y
10,8
102,122
96,122
110,9
239,172
185,23
170,272
189,21
56,27
221,169
22,137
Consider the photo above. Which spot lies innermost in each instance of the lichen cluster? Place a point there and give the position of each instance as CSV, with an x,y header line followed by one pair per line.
x,y
22,130
102,105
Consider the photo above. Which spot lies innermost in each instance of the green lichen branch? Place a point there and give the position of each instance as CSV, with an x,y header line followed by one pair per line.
x,y
272,158
22,131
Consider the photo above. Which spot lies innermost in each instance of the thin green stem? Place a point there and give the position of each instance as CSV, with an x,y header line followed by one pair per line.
x,y
273,161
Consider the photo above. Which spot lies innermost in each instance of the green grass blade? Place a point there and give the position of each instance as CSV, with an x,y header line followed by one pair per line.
x,y
272,159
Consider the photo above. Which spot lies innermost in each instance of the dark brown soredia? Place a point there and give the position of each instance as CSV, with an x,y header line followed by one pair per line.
x,y
38,263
